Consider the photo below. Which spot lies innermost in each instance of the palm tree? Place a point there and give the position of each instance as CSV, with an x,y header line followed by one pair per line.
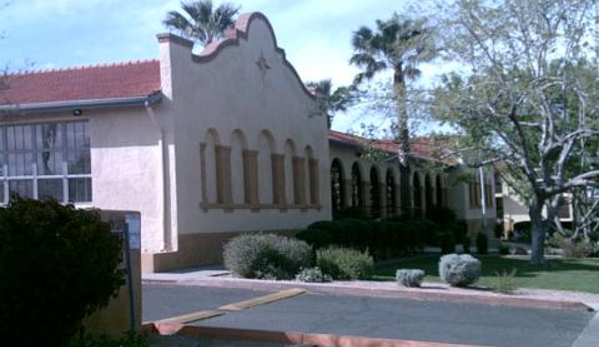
x,y
400,45
200,22
329,102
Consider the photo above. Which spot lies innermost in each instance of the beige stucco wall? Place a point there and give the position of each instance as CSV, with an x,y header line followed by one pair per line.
x,y
230,93
126,175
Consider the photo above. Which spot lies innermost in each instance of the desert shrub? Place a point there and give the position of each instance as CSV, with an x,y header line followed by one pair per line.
x,y
313,275
447,243
345,263
409,277
352,213
58,264
572,249
506,281
317,238
459,270
267,256
466,243
482,243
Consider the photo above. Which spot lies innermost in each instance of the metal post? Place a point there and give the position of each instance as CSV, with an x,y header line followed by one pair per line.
x,y
132,317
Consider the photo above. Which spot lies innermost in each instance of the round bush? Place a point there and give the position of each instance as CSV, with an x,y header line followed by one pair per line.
x,y
58,264
459,270
267,256
409,277
345,263
313,275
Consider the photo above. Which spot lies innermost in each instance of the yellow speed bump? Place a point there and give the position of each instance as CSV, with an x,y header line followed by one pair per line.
x,y
262,300
191,317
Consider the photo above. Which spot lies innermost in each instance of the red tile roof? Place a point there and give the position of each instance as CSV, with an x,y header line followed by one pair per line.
x,y
421,147
122,80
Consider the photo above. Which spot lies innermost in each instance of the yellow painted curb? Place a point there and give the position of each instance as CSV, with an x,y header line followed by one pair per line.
x,y
262,300
191,317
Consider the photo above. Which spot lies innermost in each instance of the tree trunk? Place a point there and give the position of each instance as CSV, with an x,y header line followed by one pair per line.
x,y
404,141
539,230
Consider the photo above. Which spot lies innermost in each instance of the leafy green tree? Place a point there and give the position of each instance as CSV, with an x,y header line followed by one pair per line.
x,y
201,22
398,44
512,106
330,102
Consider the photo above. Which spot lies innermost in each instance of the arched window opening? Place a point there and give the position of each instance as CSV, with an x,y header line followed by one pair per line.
x,y
337,191
390,187
417,196
356,186
428,192
439,190
375,194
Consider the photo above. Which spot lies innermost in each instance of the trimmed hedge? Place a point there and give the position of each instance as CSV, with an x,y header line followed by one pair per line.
x,y
383,239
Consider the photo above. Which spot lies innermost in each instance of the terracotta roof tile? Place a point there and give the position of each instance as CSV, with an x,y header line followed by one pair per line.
x,y
421,147
122,80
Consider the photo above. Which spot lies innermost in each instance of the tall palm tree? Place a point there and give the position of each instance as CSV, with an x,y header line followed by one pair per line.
x,y
201,22
400,45
329,102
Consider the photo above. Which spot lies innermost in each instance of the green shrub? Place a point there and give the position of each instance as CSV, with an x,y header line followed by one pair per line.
x,y
353,213
313,275
466,243
344,263
459,270
506,281
572,249
447,243
267,256
482,243
58,264
317,238
409,277
503,249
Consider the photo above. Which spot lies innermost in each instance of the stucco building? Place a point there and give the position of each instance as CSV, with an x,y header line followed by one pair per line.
x,y
203,146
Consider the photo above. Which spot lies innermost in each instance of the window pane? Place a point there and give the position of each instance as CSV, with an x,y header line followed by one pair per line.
x,y
80,189
2,197
50,189
20,150
49,149
78,154
22,187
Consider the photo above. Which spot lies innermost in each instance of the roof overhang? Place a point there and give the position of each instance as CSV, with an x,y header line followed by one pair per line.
x,y
89,104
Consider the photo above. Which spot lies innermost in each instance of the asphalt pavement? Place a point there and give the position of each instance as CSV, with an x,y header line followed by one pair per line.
x,y
435,321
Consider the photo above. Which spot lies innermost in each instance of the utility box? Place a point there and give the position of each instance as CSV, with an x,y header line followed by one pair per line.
x,y
123,313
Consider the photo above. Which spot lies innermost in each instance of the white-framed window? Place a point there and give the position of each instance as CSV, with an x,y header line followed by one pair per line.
x,y
46,160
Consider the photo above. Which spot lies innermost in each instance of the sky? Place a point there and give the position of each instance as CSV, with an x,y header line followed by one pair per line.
x,y
315,34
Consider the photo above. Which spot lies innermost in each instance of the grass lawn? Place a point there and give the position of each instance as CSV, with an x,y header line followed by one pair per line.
x,y
560,274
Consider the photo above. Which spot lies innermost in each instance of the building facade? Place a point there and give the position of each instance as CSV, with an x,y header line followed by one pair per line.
x,y
204,146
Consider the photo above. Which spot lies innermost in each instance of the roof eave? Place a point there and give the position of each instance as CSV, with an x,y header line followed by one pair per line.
x,y
89,104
